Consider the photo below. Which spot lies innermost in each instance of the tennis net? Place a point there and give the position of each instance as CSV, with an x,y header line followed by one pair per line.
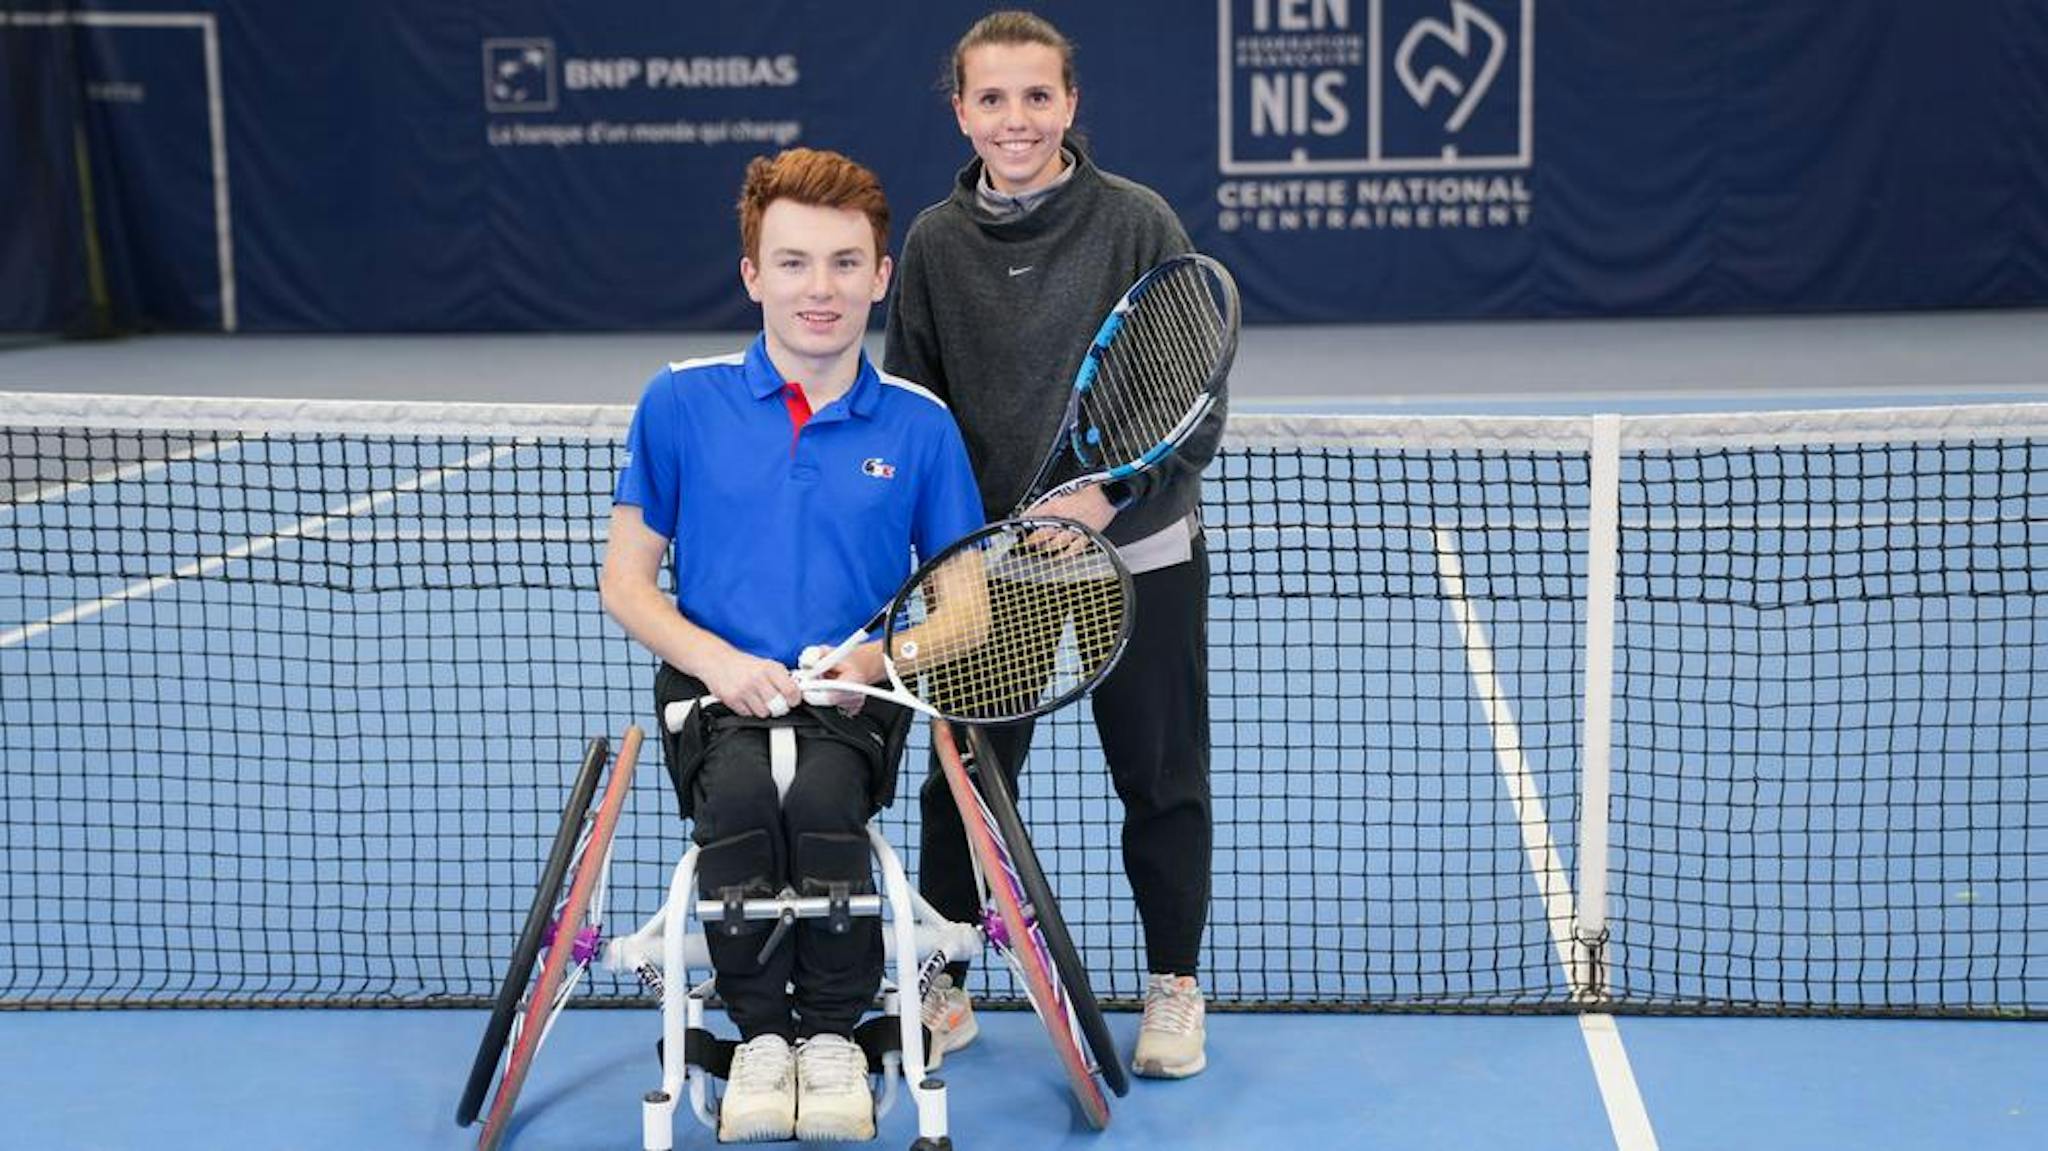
x,y
1727,713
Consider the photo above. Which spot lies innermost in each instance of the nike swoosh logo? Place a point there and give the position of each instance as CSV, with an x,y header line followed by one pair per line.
x,y
1022,270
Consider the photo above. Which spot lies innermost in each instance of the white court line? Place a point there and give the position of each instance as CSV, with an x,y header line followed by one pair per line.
x,y
64,491
523,531
259,545
1626,1116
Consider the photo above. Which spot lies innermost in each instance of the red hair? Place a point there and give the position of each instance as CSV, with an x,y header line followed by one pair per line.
x,y
810,176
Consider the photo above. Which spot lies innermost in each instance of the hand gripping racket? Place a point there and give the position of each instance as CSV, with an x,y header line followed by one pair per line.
x,y
1155,370
1013,620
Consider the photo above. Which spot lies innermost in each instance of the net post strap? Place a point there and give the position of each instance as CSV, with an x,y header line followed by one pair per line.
x,y
1603,545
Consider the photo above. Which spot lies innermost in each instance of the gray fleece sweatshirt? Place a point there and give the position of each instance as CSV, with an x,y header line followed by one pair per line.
x,y
995,315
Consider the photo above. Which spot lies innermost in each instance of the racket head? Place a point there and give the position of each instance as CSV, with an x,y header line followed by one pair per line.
x,y
1014,620
1157,366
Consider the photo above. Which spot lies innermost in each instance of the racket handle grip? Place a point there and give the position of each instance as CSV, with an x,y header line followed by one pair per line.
x,y
677,713
830,659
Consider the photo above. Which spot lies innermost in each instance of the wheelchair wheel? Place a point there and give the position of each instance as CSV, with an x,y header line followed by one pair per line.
x,y
554,937
519,974
1048,982
995,790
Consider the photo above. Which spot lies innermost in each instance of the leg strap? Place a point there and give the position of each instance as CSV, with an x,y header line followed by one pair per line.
x,y
782,758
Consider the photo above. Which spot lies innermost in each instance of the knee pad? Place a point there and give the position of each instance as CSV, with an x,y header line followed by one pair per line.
x,y
736,868
833,864
826,858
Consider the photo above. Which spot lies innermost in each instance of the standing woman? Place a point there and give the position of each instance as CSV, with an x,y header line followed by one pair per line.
x,y
1000,289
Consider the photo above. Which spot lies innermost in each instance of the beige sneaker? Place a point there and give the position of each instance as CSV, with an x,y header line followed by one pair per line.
x,y
948,1018
834,1101
1170,1039
760,1092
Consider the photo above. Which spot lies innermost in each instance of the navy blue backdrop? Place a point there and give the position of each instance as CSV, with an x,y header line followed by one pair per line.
x,y
418,165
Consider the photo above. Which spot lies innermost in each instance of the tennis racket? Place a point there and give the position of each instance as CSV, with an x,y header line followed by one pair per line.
x,y
1155,370
1013,620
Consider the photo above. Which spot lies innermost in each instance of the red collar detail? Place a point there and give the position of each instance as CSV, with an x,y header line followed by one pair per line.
x,y
799,406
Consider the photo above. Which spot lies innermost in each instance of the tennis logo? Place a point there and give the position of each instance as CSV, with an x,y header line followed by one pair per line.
x,y
1421,109
1375,85
1463,38
878,467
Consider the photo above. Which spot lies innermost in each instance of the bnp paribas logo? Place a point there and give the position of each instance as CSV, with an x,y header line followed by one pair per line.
x,y
1312,86
519,74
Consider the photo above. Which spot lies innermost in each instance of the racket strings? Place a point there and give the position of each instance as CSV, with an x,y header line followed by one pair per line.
x,y
1164,357
1051,624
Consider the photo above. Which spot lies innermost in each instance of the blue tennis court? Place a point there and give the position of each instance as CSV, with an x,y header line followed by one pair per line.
x,y
302,701
1628,656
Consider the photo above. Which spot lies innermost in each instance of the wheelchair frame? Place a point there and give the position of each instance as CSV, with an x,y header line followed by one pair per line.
x,y
1017,916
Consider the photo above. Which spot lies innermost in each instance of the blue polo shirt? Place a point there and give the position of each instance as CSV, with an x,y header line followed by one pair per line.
x,y
785,536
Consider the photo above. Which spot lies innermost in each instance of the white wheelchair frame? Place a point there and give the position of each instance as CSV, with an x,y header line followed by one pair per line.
x,y
918,941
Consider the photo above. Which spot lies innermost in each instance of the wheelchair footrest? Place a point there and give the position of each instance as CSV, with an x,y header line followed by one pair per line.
x,y
702,1049
878,1037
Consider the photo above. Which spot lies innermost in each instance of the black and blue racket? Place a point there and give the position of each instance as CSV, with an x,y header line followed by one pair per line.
x,y
1156,369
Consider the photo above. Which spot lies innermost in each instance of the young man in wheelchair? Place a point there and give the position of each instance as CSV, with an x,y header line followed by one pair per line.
x,y
792,484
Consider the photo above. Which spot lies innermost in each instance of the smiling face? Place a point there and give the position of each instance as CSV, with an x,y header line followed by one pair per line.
x,y
816,274
1014,106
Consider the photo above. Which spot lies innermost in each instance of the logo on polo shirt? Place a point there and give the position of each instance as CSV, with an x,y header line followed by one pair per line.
x,y
878,467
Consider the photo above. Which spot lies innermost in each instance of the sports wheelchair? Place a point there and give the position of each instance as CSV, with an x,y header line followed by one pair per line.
x,y
564,933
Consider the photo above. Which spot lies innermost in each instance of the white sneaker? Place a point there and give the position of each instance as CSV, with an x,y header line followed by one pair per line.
x,y
834,1100
1170,1039
948,1018
760,1092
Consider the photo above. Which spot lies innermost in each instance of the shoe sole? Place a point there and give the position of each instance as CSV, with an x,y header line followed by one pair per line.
x,y
766,1131
836,1134
1156,1069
